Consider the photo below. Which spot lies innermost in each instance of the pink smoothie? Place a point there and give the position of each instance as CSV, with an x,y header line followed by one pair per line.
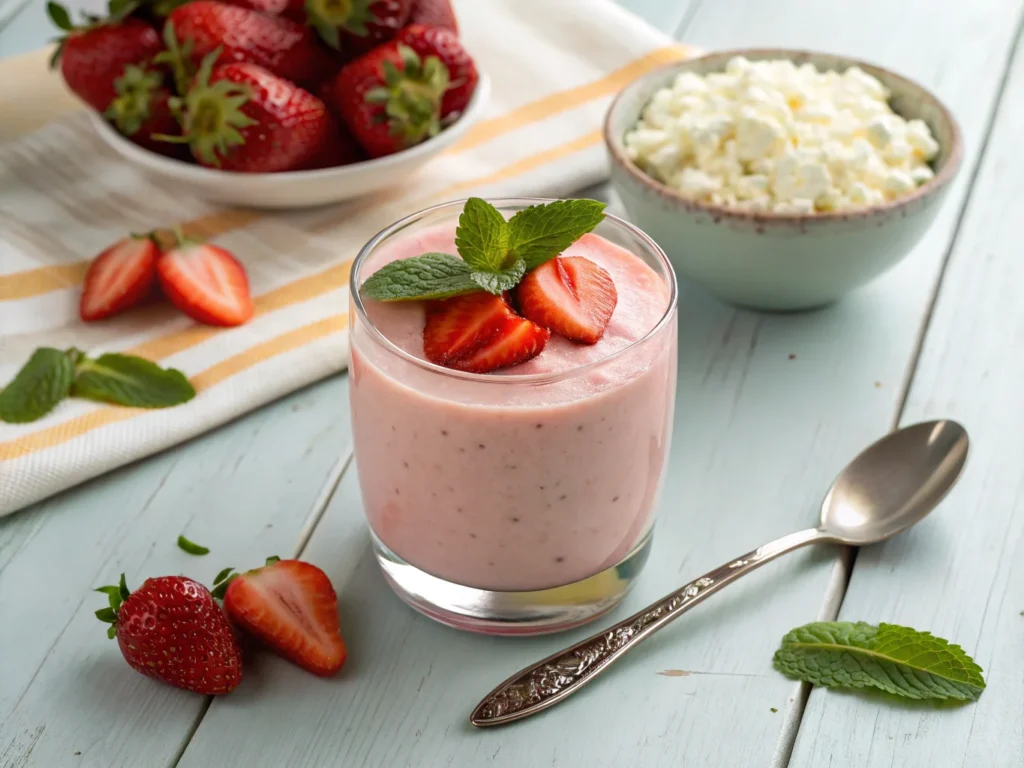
x,y
497,483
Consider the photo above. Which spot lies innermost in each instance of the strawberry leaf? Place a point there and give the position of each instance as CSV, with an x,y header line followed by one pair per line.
x,y
118,10
59,16
132,381
541,232
482,236
895,659
221,582
37,388
106,615
429,276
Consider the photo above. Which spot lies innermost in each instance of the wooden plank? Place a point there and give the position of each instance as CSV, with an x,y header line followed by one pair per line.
x,y
245,491
770,407
961,573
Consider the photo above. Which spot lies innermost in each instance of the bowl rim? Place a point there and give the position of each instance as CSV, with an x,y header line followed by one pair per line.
x,y
941,179
200,174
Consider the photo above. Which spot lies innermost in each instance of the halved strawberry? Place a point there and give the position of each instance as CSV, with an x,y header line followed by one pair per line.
x,y
570,295
120,277
205,282
478,333
291,607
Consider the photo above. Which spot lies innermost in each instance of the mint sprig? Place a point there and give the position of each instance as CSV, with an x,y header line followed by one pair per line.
x,y
51,375
541,232
482,236
132,381
430,276
496,253
898,660
42,382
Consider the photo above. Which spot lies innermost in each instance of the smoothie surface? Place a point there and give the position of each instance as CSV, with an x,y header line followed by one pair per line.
x,y
643,299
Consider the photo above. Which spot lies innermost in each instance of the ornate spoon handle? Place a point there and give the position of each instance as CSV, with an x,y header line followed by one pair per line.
x,y
549,681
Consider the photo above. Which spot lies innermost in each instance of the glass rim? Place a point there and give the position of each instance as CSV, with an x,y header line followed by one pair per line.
x,y
515,378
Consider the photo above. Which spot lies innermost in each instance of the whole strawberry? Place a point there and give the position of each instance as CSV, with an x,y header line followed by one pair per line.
x,y
434,13
240,117
390,98
293,9
445,45
92,57
357,25
171,629
286,48
141,109
340,149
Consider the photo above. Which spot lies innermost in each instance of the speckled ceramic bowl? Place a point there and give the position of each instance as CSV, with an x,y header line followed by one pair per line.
x,y
780,261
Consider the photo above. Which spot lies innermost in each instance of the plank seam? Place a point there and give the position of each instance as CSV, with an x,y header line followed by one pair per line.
x,y
993,116
323,501
316,514
688,16
787,741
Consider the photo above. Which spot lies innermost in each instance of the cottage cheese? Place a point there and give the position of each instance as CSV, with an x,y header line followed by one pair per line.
x,y
771,136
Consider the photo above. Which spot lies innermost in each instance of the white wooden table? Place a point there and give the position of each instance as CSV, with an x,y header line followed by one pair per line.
x,y
770,408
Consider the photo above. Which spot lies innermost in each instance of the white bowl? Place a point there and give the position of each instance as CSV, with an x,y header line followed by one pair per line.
x,y
295,189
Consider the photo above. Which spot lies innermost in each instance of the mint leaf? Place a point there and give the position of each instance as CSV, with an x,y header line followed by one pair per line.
x,y
430,276
37,388
132,381
499,282
541,232
191,547
898,660
482,236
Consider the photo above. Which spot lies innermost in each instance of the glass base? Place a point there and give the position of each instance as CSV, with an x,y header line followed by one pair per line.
x,y
512,613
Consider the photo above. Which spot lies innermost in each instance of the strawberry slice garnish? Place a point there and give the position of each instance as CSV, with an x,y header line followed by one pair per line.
x,y
570,295
478,333
120,277
291,607
205,282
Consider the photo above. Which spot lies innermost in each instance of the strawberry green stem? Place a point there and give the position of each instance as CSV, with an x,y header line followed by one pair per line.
x,y
115,596
136,90
329,16
178,57
411,96
211,114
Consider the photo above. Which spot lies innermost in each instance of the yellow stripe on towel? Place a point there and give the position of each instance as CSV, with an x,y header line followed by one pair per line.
x,y
69,430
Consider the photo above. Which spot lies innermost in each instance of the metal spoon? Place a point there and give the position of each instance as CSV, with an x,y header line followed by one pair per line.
x,y
889,487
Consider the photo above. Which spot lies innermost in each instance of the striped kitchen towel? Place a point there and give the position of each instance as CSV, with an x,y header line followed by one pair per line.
x,y
554,66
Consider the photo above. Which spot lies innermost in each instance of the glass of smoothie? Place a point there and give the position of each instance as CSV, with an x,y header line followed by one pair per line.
x,y
520,500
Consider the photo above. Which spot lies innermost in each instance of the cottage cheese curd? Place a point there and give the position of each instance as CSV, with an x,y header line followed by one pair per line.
x,y
771,136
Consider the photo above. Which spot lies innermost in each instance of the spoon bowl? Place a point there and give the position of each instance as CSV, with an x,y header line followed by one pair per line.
x,y
893,483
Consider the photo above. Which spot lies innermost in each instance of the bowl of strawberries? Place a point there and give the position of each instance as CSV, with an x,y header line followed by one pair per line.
x,y
274,103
